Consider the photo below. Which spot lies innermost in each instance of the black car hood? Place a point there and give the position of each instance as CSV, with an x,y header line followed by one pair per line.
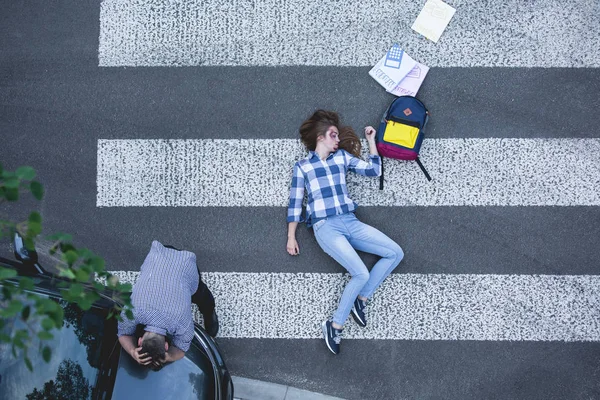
x,y
187,378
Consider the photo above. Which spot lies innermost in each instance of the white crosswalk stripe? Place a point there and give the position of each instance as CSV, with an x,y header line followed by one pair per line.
x,y
250,173
349,33
410,306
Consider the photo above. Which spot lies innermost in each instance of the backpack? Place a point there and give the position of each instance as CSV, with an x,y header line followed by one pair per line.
x,y
400,133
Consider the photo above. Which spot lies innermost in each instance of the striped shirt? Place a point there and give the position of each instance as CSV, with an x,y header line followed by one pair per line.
x,y
162,295
325,183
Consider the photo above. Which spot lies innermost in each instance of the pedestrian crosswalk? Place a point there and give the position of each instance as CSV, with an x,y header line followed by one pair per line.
x,y
482,278
506,171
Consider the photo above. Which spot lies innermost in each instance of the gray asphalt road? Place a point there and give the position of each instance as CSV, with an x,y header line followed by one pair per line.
x,y
55,103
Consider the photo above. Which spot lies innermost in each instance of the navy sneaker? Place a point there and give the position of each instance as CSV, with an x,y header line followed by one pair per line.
x,y
333,337
358,312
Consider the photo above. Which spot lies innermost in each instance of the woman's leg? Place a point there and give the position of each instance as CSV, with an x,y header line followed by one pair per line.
x,y
332,237
365,238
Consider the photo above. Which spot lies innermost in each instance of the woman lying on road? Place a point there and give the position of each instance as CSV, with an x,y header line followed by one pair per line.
x,y
334,150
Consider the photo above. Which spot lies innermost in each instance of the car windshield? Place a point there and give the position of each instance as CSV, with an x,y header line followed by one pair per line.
x,y
78,353
189,378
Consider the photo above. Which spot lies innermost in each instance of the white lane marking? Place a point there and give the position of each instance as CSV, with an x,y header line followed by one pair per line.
x,y
410,306
257,172
513,33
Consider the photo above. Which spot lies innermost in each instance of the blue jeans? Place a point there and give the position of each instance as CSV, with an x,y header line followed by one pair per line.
x,y
338,236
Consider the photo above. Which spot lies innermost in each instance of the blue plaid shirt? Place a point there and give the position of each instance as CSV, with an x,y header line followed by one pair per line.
x,y
325,182
162,295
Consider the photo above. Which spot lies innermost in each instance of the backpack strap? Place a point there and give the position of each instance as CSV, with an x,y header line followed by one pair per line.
x,y
422,169
381,176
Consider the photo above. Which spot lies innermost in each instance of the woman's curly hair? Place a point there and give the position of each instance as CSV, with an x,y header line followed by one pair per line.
x,y
318,124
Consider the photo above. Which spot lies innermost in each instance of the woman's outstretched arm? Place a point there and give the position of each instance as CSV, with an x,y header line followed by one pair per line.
x,y
292,243
295,209
370,135
371,168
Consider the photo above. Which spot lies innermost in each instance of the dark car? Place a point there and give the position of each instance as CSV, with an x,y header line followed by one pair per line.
x,y
89,363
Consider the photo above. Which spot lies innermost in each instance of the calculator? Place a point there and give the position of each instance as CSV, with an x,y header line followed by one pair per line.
x,y
393,57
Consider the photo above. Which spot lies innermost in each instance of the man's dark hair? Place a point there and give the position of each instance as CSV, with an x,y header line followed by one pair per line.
x,y
154,345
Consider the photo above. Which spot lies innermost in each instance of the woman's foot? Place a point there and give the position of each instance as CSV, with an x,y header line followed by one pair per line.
x,y
358,312
333,336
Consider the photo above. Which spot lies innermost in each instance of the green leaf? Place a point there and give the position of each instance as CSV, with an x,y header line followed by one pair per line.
x,y
13,308
6,273
12,182
67,273
84,303
35,217
47,324
97,264
46,353
61,237
59,316
19,338
85,253
45,305
28,364
63,284
37,190
76,289
26,173
129,313
124,287
64,247
25,313
45,335
70,257
26,283
82,276
1,170
34,229
7,291
29,243
112,281
11,194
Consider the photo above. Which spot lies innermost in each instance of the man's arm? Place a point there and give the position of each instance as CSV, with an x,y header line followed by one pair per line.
x,y
128,344
174,354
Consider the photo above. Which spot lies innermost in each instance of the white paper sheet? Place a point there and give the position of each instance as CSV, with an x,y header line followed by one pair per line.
x,y
409,86
392,68
433,19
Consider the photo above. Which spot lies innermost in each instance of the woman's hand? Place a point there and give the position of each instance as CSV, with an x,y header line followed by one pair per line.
x,y
292,247
370,133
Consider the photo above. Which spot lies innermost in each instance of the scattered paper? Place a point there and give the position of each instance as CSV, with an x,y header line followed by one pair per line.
x,y
433,19
392,68
409,86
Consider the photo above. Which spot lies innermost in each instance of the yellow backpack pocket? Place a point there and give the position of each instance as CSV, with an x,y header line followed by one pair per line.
x,y
401,134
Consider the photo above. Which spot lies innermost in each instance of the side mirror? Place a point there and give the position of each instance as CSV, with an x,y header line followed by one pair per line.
x,y
22,253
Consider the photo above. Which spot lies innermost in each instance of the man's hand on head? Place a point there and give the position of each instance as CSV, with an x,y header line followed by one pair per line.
x,y
156,365
141,358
